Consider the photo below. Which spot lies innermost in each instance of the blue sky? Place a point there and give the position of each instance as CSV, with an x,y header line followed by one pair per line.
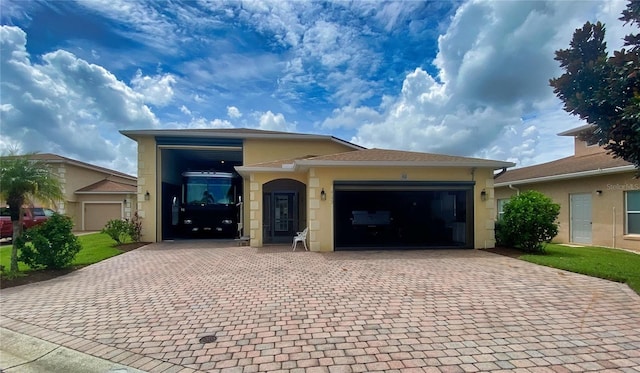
x,y
462,77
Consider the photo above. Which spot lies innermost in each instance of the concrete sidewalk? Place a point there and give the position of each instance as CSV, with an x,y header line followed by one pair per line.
x,y
25,354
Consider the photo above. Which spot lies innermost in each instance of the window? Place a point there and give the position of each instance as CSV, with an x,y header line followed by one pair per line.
x,y
501,203
632,210
591,142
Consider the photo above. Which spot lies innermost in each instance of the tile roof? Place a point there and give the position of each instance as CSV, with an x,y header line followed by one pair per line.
x,y
108,186
48,157
563,166
280,163
384,157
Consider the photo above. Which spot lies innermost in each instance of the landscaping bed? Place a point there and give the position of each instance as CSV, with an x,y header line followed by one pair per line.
x,y
96,247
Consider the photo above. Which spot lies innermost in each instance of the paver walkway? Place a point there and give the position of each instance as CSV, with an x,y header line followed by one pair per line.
x,y
276,310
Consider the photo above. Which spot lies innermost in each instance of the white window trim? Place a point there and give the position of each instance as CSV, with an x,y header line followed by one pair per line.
x,y
627,212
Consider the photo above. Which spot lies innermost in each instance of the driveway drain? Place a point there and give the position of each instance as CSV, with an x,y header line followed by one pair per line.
x,y
208,339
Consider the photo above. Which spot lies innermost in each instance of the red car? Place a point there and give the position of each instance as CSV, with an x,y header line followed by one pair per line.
x,y
32,216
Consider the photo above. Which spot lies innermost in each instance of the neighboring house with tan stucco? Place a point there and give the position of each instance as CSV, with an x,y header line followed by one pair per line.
x,y
93,195
347,196
598,195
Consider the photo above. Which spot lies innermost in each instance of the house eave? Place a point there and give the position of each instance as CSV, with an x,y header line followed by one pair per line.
x,y
480,164
573,175
136,134
114,193
246,170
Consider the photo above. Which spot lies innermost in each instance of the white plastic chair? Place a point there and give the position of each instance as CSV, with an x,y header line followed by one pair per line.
x,y
300,237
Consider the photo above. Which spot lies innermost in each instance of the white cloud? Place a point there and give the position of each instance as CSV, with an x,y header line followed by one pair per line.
x,y
233,112
493,67
156,90
351,117
274,122
205,123
72,107
185,110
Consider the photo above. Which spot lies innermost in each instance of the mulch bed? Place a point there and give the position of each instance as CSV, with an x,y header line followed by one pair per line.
x,y
48,274
506,251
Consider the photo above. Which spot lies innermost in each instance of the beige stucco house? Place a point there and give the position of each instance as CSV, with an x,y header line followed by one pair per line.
x,y
347,196
93,195
598,194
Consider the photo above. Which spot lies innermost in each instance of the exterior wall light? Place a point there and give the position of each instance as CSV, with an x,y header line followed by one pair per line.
x,y
483,195
147,196
599,192
323,195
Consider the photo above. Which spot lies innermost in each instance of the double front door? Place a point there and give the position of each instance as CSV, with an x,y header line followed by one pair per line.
x,y
280,216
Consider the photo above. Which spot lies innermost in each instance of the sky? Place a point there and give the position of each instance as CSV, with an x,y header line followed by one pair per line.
x,y
467,78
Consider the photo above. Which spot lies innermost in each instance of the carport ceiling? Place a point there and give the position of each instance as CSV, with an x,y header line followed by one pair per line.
x,y
197,158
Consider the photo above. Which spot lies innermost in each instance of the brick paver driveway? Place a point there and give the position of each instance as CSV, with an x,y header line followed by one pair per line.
x,y
276,310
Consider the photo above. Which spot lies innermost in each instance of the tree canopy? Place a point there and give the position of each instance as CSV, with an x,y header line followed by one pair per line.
x,y
604,90
23,179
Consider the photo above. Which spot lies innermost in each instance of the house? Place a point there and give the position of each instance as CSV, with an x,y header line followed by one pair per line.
x,y
598,194
93,195
348,196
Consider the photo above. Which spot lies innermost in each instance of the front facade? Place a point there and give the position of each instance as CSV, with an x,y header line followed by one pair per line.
x,y
93,195
598,195
349,197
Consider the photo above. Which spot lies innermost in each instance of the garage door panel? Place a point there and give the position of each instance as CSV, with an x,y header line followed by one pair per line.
x,y
374,217
96,215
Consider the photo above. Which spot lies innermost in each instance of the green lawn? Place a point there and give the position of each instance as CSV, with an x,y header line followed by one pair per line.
x,y
95,247
610,264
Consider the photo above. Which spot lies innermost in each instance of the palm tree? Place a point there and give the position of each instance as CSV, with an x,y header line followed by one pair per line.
x,y
23,178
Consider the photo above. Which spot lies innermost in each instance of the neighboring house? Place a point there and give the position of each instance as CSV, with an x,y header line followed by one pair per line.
x,y
348,196
93,195
598,194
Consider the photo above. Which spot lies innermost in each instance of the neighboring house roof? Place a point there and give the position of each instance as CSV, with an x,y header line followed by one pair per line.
x,y
54,158
565,168
375,158
234,133
578,130
107,187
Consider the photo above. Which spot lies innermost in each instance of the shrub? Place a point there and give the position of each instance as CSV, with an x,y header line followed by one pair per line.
x,y
135,228
121,229
529,221
117,229
50,245
502,235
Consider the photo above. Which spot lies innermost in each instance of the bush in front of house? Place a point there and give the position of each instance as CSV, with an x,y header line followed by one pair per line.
x,y
503,238
529,221
50,245
121,229
117,229
135,227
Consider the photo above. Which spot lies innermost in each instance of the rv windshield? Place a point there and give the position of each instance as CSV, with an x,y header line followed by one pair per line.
x,y
216,190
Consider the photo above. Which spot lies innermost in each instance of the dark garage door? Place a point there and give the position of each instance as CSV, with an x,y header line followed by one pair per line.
x,y
403,215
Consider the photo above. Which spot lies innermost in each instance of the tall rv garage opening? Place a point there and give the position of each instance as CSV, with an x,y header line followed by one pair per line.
x,y
403,215
179,156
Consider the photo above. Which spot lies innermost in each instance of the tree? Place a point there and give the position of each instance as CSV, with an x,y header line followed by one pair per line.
x,y
604,90
529,220
25,179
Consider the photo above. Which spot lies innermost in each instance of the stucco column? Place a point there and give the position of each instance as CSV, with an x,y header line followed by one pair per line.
x,y
147,183
313,207
255,211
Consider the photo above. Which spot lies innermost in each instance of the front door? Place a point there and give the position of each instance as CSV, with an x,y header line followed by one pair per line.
x,y
581,218
281,209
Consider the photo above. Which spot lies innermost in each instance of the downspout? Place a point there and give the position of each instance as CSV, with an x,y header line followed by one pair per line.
x,y
504,169
514,188
614,227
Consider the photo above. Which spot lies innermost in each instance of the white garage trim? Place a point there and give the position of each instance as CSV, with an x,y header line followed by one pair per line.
x,y
84,205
